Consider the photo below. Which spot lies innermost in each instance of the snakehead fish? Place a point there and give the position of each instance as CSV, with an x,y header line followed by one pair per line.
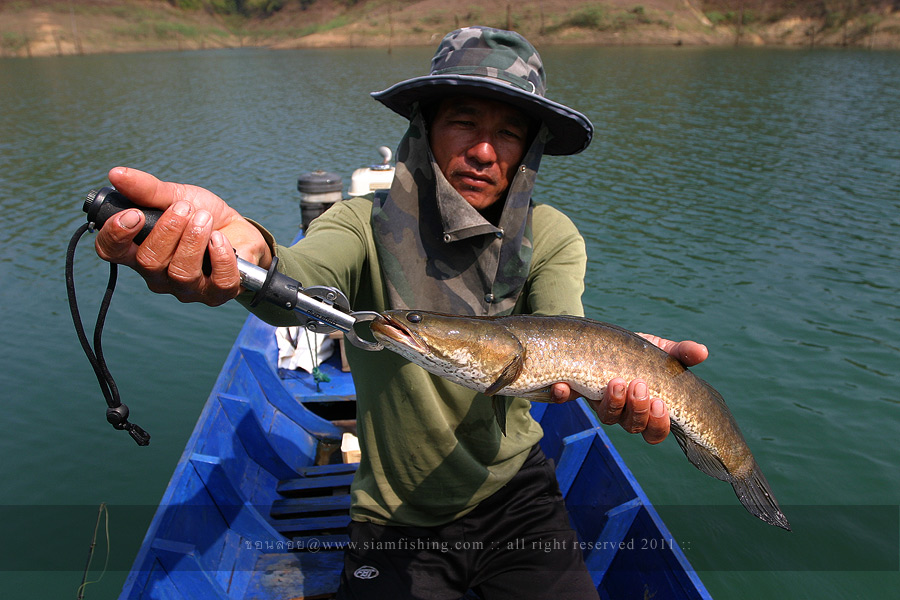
x,y
523,355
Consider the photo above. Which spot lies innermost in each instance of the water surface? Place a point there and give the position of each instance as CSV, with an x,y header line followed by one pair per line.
x,y
745,198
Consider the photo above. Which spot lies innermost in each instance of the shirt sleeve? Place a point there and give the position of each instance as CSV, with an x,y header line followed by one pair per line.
x,y
334,252
556,282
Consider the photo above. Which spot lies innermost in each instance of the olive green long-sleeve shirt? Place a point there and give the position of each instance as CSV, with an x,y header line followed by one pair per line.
x,y
430,448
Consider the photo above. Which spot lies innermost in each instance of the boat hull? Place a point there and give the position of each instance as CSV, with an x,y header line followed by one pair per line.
x,y
247,514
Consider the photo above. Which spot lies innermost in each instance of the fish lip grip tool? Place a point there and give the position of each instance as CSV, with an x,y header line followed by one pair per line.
x,y
320,309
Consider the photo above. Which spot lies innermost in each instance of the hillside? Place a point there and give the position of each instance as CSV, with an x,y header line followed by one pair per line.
x,y
56,27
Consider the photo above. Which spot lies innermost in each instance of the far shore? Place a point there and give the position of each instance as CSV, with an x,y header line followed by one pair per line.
x,y
141,26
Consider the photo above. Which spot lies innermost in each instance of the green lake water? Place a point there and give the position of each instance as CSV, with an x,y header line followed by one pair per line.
x,y
749,199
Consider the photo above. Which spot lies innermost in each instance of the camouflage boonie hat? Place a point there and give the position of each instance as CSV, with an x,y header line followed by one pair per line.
x,y
497,64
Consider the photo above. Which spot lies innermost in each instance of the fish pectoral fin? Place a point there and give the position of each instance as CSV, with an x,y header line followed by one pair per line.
x,y
509,374
500,405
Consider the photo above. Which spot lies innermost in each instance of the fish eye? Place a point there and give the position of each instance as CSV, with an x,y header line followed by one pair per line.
x,y
413,317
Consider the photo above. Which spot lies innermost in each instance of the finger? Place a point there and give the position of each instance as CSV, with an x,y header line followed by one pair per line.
x,y
609,409
658,424
561,392
186,266
637,407
144,189
115,240
689,353
156,252
224,275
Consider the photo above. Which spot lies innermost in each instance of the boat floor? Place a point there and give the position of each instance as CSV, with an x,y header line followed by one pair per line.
x,y
312,512
281,575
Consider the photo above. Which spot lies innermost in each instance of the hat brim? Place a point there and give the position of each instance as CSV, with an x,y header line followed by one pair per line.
x,y
571,131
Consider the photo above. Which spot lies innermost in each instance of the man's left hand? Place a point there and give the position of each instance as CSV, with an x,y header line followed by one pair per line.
x,y
629,403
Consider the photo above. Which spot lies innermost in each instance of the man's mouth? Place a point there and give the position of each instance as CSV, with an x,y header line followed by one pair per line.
x,y
474,179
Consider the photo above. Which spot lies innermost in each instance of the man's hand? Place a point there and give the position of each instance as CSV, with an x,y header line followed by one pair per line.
x,y
629,403
195,222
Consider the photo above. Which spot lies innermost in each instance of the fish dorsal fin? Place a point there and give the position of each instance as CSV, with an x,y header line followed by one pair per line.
x,y
699,456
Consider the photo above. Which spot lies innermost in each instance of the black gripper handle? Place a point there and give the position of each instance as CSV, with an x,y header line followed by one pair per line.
x,y
102,204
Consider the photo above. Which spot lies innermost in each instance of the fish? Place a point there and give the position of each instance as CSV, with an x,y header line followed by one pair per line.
x,y
524,355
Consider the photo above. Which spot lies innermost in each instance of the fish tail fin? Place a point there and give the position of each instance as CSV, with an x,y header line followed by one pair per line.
x,y
499,404
751,486
755,494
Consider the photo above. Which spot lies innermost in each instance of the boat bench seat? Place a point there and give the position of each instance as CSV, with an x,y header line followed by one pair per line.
x,y
313,510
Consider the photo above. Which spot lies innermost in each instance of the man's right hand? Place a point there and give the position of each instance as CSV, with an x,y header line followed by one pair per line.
x,y
171,258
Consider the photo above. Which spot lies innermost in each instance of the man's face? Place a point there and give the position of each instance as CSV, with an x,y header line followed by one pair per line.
x,y
478,144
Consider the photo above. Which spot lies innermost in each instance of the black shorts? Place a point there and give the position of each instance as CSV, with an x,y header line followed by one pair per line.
x,y
516,544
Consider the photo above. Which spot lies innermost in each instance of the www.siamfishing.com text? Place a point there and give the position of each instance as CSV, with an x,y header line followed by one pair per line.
x,y
314,544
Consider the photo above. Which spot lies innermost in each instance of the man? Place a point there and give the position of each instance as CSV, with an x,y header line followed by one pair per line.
x,y
440,493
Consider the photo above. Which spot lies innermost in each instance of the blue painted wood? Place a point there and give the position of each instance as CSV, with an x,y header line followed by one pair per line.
x,y
236,565
292,527
319,470
240,516
309,484
154,582
561,420
317,504
247,515
252,437
575,449
601,551
656,572
296,446
193,581
279,398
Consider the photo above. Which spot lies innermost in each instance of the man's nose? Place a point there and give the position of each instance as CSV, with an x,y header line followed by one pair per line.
x,y
483,151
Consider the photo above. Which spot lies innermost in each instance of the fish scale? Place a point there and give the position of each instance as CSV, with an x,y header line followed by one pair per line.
x,y
523,355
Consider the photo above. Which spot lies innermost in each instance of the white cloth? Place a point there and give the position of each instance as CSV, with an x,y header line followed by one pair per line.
x,y
294,345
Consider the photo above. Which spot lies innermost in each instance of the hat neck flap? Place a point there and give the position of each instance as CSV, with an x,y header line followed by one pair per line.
x,y
436,251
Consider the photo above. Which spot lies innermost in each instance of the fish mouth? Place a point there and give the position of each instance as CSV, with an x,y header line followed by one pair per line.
x,y
387,329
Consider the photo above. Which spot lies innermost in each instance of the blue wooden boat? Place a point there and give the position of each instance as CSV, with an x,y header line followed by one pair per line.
x,y
249,514
257,507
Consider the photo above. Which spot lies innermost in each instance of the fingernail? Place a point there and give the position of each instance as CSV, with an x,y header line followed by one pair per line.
x,y
202,218
618,389
217,239
129,219
640,390
658,408
182,209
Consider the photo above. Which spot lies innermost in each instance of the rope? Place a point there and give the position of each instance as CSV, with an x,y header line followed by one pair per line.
x,y
95,354
318,375
117,412
102,511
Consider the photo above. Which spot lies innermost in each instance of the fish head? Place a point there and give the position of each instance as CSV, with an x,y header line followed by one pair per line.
x,y
477,352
